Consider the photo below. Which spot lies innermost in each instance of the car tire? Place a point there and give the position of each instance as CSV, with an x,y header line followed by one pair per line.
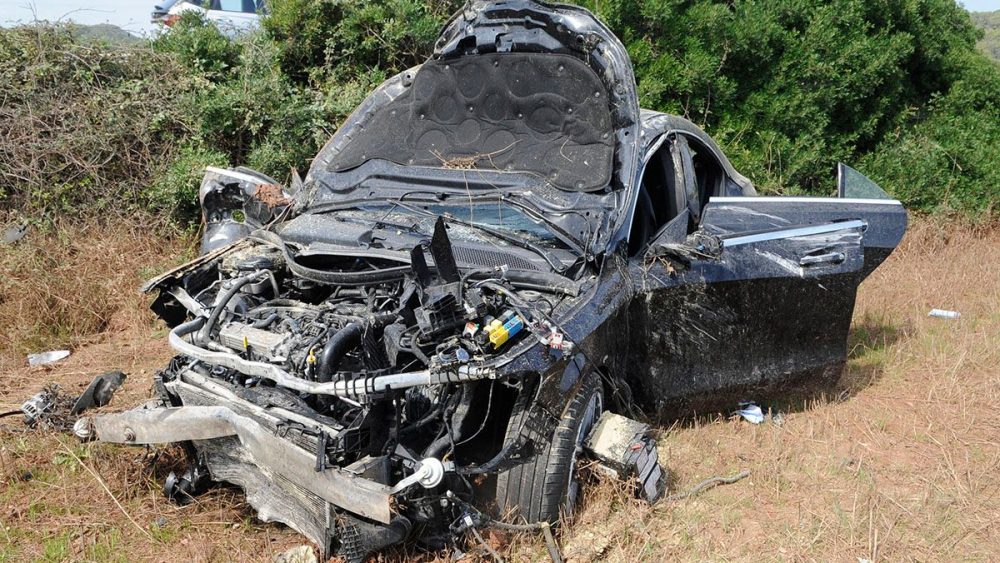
x,y
546,485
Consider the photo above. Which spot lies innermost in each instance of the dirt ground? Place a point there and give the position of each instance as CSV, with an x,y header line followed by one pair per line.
x,y
901,462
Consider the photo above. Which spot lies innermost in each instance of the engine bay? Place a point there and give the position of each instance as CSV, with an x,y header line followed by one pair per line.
x,y
399,377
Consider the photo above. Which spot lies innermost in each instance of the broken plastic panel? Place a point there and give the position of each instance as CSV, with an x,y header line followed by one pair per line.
x,y
625,451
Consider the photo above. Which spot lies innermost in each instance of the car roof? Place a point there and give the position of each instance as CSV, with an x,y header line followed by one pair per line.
x,y
655,124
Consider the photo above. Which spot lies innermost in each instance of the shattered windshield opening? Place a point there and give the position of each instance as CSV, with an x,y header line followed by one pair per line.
x,y
542,114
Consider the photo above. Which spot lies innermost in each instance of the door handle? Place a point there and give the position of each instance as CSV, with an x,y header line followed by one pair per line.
x,y
821,259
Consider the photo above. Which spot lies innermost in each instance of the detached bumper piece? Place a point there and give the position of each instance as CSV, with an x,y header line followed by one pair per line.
x,y
625,450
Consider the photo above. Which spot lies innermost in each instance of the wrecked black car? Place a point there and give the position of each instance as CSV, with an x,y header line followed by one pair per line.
x,y
495,249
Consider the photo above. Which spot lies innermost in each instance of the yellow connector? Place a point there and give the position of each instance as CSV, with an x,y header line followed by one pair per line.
x,y
499,336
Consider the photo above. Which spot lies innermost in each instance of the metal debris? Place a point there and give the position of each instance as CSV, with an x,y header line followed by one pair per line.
x,y
52,409
48,409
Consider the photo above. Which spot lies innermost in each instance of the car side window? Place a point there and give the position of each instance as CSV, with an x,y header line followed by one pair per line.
x,y
707,174
245,6
659,200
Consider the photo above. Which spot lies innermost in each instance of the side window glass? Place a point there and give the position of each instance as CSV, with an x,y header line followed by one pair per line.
x,y
707,175
854,184
662,196
694,205
232,5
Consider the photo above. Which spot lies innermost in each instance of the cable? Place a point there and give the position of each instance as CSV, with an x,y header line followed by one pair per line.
x,y
489,405
504,453
543,526
708,484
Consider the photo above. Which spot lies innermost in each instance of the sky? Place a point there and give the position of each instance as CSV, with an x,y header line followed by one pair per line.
x,y
130,15
133,15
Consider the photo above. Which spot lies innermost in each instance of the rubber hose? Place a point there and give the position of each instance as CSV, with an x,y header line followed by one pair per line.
x,y
438,446
238,284
339,344
266,321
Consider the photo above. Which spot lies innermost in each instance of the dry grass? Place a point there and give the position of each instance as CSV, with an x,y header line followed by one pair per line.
x,y
900,463
60,287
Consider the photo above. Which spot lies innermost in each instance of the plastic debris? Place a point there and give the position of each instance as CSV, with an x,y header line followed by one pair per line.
x,y
47,357
99,392
944,314
625,450
13,234
751,413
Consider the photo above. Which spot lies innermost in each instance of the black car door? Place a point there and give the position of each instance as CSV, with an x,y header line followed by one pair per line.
x,y
759,294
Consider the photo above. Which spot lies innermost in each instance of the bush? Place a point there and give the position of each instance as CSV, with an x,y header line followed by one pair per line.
x,y
791,87
176,190
322,41
244,107
84,128
949,159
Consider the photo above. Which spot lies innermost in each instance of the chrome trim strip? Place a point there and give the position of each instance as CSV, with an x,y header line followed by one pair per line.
x,y
787,199
790,233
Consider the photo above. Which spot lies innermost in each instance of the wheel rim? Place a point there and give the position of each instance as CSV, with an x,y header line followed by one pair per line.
x,y
590,415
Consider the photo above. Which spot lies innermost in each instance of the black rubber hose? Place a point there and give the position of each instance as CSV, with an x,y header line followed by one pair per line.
x,y
429,417
438,446
266,321
238,284
339,344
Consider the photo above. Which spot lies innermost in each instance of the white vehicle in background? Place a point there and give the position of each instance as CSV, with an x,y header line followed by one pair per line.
x,y
232,17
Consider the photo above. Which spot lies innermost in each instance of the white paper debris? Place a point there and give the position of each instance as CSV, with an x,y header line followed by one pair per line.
x,y
751,413
944,314
47,357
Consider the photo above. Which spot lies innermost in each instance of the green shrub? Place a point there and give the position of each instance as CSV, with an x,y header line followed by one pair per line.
x,y
322,40
791,87
84,128
948,160
200,46
176,190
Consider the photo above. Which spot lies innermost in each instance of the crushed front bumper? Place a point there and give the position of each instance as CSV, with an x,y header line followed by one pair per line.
x,y
250,446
